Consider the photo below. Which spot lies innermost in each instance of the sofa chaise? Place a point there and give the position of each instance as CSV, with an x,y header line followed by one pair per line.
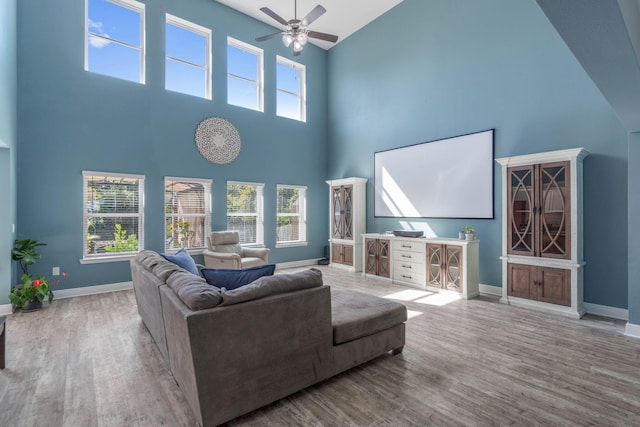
x,y
232,352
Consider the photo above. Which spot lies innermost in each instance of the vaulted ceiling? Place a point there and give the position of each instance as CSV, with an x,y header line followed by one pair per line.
x,y
342,18
605,38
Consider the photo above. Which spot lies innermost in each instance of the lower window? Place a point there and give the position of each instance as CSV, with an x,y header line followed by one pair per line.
x,y
113,214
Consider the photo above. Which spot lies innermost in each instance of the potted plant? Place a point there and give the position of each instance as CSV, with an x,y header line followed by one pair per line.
x,y
469,233
461,233
30,293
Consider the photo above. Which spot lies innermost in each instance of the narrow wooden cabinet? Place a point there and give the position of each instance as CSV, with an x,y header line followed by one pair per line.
x,y
377,260
437,264
347,213
542,249
445,267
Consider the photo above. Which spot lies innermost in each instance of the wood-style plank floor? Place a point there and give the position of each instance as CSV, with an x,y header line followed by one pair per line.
x,y
89,361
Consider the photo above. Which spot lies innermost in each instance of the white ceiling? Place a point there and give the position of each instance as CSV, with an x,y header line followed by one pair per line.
x,y
343,17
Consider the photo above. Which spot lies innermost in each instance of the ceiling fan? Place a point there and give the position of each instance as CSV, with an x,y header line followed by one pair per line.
x,y
296,33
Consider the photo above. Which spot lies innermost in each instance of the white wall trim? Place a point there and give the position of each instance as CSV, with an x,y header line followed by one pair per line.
x,y
605,310
490,290
301,263
93,290
632,330
6,309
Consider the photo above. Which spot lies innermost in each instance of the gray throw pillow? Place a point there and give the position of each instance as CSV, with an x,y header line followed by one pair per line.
x,y
273,285
194,291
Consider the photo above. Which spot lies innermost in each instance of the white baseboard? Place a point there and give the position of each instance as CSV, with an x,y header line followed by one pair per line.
x,y
606,311
93,290
597,309
78,292
6,309
490,290
295,264
632,330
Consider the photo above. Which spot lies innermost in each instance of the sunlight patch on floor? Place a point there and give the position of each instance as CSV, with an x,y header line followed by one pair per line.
x,y
425,297
412,313
439,299
408,295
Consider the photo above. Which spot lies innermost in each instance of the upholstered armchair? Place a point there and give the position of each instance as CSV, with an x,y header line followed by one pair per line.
x,y
224,251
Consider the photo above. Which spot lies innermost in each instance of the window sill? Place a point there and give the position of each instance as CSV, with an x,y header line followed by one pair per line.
x,y
291,244
111,258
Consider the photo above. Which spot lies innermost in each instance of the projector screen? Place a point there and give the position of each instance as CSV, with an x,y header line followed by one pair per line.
x,y
447,178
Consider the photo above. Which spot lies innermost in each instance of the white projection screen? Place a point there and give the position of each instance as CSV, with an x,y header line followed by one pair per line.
x,y
447,178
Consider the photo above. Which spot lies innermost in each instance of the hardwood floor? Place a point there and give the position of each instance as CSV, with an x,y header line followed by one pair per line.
x,y
89,361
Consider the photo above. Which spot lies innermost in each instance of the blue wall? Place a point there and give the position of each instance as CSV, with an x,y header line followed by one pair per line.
x,y
71,120
8,140
634,223
431,70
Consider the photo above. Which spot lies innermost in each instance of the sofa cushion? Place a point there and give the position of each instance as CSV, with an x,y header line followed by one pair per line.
x,y
273,285
149,259
157,264
184,260
193,291
235,278
356,314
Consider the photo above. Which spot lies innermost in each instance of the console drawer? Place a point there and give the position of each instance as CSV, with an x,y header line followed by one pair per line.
x,y
402,275
408,246
408,267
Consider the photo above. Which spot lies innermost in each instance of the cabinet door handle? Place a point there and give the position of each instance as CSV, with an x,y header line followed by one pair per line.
x,y
406,277
406,246
406,266
406,256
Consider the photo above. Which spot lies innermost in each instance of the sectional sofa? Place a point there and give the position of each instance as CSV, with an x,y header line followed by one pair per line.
x,y
232,352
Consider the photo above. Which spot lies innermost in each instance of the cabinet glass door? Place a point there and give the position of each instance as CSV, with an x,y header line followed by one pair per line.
x,y
454,268
347,231
554,210
521,214
337,212
371,247
434,265
384,263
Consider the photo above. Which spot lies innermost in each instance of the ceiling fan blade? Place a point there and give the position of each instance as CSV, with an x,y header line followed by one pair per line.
x,y
269,36
323,36
316,13
274,15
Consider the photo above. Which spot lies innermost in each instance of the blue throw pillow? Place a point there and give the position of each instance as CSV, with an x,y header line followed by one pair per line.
x,y
233,279
184,260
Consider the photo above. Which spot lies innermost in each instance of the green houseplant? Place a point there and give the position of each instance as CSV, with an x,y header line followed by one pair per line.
x,y
30,293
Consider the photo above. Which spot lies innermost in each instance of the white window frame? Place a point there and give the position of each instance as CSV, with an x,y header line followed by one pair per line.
x,y
302,215
260,64
201,31
98,258
129,4
259,214
302,70
207,184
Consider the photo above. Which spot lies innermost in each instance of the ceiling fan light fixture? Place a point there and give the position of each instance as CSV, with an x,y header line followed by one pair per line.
x,y
287,39
302,37
297,47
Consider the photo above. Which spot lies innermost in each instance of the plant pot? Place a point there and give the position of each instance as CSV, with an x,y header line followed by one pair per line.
x,y
461,235
33,305
470,236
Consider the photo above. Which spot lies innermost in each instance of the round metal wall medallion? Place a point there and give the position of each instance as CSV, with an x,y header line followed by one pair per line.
x,y
218,140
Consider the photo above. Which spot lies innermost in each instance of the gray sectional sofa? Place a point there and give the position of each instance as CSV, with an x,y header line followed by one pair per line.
x,y
232,352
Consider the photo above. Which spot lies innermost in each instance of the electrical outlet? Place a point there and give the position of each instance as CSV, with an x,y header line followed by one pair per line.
x,y
56,271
